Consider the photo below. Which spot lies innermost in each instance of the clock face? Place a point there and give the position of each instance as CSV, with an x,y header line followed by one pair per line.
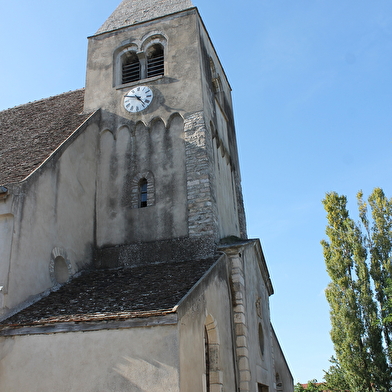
x,y
138,99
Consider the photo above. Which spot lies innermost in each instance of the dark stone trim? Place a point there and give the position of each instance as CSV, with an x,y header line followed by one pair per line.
x,y
140,253
63,327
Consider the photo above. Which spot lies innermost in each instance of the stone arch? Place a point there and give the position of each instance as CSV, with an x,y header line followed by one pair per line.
x,y
135,60
173,118
140,126
105,131
121,55
157,119
151,38
214,376
60,268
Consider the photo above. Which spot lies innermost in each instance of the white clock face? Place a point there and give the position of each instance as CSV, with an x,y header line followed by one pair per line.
x,y
138,99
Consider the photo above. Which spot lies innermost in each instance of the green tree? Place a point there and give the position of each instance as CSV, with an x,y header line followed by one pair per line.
x,y
334,378
358,261
312,386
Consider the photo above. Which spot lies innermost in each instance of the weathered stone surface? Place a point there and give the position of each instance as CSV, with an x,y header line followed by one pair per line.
x,y
135,11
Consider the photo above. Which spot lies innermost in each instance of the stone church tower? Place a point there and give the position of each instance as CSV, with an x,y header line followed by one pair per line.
x,y
179,144
124,260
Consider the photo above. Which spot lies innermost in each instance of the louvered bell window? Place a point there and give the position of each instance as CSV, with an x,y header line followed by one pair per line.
x,y
131,69
155,61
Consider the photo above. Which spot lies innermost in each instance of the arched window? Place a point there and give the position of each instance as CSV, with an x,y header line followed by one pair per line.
x,y
130,67
155,60
142,189
213,374
142,193
136,60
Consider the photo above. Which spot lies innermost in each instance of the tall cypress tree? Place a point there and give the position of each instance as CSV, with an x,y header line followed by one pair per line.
x,y
358,261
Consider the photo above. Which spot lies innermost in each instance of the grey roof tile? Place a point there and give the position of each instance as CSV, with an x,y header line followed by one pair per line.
x,y
117,293
135,11
30,133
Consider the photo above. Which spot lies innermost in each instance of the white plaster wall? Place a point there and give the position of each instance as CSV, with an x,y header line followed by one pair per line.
x,y
111,183
122,360
54,209
285,382
209,301
225,195
126,155
261,366
6,230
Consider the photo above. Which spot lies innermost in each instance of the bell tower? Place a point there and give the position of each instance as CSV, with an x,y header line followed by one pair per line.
x,y
168,174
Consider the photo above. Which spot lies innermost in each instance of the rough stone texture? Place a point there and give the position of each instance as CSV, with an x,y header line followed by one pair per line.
x,y
240,204
141,253
202,214
135,11
30,133
115,293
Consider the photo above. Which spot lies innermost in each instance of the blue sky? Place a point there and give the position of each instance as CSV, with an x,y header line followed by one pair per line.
x,y
312,91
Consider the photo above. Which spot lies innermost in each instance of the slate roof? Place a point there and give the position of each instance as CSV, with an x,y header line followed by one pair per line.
x,y
30,133
135,11
123,293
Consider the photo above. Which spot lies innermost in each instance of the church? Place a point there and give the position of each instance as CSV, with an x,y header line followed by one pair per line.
x,y
124,258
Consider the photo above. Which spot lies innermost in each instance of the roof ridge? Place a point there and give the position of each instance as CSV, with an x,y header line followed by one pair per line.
x,y
130,12
42,99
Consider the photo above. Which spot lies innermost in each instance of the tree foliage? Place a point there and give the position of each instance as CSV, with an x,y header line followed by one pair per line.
x,y
311,386
358,261
334,378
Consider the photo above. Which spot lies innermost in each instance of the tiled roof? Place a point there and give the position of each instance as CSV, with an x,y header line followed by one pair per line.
x,y
114,294
30,133
135,11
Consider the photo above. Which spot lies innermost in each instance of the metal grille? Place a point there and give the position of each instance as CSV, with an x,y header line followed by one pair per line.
x,y
155,65
131,72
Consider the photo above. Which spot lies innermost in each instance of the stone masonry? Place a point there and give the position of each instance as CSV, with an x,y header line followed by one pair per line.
x,y
202,214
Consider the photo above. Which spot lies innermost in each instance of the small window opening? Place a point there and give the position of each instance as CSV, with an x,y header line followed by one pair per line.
x,y
262,388
130,68
261,339
207,359
279,384
143,193
61,272
155,61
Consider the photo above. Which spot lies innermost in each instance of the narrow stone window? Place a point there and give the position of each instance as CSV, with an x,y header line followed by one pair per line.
x,y
207,359
213,374
155,61
261,339
142,190
142,193
130,68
